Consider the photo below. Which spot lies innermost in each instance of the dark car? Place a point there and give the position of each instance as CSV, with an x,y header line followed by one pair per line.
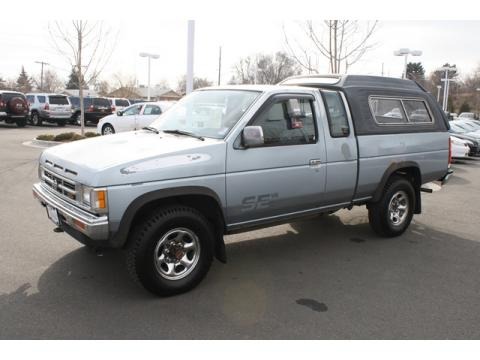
x,y
13,108
95,108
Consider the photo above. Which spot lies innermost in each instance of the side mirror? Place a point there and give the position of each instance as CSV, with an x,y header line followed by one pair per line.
x,y
252,136
294,110
119,113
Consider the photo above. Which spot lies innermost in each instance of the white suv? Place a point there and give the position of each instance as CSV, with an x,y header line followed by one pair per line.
x,y
118,104
52,108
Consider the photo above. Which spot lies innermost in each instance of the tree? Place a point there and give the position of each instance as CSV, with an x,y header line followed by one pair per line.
x,y
51,82
102,88
73,82
465,107
197,84
341,42
24,82
264,69
415,71
88,47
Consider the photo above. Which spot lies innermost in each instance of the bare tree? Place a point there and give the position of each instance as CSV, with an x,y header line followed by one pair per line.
x,y
341,42
197,84
51,81
264,69
88,47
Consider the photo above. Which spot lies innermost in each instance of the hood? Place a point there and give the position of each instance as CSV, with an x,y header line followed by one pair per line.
x,y
133,157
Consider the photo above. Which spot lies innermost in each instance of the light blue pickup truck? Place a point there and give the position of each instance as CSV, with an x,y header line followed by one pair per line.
x,y
229,159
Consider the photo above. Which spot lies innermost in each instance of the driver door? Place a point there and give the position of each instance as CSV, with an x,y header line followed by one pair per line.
x,y
126,122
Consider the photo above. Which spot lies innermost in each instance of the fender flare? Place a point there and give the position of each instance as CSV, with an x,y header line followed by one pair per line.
x,y
394,167
120,237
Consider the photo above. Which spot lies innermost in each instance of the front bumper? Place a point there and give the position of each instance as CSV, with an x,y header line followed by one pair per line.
x,y
92,226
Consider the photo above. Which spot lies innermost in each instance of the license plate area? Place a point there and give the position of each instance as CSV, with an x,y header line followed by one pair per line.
x,y
53,215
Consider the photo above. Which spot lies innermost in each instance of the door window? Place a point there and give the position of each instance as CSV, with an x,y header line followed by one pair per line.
x,y
152,110
288,122
132,110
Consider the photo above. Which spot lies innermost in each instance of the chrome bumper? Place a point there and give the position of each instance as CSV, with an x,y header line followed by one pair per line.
x,y
92,226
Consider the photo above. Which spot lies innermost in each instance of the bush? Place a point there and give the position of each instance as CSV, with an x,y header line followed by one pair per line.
x,y
46,137
90,134
65,136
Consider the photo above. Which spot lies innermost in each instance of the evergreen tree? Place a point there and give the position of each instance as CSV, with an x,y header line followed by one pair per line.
x,y
73,82
24,83
415,71
465,108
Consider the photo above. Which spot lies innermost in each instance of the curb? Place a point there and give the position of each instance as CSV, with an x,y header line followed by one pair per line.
x,y
41,143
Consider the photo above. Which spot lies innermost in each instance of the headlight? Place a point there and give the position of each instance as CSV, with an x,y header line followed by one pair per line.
x,y
95,199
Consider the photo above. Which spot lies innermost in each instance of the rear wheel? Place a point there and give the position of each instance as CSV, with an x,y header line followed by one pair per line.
x,y
392,214
36,119
108,129
61,122
171,252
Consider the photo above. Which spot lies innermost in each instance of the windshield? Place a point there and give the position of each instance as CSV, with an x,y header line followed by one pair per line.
x,y
208,113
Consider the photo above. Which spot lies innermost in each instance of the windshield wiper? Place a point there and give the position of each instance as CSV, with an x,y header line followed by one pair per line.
x,y
181,132
152,129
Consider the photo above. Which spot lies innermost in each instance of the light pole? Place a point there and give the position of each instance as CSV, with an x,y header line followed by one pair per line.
x,y
190,50
447,84
439,87
41,76
149,56
405,52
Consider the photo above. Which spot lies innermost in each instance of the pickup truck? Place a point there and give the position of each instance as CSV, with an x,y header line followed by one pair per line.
x,y
234,158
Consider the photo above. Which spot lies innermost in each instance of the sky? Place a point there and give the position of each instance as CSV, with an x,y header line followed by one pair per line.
x,y
455,42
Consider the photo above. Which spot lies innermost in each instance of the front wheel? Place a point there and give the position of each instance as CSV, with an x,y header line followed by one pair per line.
x,y
171,251
36,119
392,214
61,123
108,129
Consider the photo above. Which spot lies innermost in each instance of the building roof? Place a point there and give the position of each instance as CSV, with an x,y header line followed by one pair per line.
x,y
142,93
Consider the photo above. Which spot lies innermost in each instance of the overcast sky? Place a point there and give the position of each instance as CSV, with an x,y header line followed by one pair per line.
x,y
455,42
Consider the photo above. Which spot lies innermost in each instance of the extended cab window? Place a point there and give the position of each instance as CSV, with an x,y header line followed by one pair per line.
x,y
288,122
336,114
387,111
417,111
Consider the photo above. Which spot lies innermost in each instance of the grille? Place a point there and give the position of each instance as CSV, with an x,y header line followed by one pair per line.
x,y
59,184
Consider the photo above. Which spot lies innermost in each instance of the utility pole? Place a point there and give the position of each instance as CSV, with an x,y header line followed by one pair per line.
x,y
382,68
219,64
190,47
42,63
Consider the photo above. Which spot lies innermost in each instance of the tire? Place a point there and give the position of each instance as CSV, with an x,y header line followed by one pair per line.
x,y
61,122
77,119
21,122
386,216
154,258
36,119
108,129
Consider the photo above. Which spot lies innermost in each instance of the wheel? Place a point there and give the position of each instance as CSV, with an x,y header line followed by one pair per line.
x,y
108,129
392,214
61,122
171,251
21,122
77,119
36,119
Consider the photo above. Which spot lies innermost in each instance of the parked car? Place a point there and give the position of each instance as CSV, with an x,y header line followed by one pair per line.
x,y
134,117
13,108
234,158
467,115
460,148
95,108
119,104
48,107
472,137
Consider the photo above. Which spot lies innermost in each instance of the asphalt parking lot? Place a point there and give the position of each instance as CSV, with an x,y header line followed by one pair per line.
x,y
327,277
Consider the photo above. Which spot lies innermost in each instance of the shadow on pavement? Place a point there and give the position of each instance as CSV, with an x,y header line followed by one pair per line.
x,y
326,277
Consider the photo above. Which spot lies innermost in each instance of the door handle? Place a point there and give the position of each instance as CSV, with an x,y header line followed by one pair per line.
x,y
315,162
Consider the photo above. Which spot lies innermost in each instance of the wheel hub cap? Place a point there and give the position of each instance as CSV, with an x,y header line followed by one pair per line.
x,y
177,253
398,208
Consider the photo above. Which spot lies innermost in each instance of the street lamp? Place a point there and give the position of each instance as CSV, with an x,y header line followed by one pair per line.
x,y
438,92
149,56
447,85
405,52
